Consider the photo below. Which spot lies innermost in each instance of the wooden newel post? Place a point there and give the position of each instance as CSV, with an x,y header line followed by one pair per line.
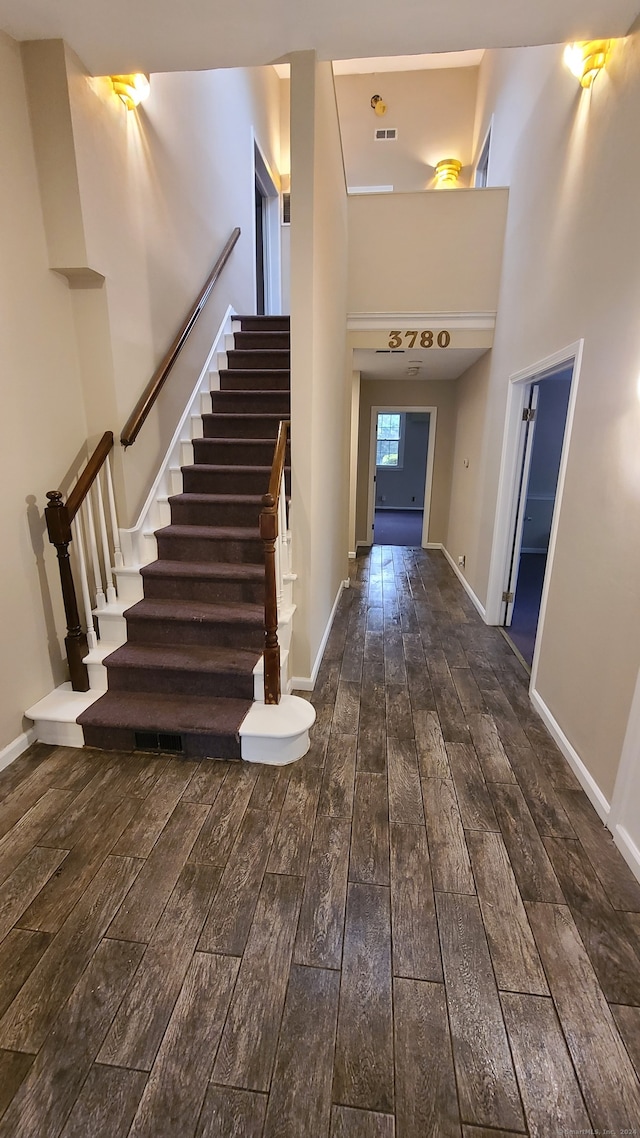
x,y
59,530
269,534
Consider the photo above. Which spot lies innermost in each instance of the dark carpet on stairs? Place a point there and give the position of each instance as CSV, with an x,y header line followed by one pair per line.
x,y
186,669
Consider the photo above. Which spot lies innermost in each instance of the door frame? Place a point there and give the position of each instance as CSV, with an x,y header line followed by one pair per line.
x,y
525,455
508,484
268,184
428,481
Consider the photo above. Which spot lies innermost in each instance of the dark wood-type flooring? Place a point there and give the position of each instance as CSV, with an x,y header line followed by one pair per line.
x,y
421,930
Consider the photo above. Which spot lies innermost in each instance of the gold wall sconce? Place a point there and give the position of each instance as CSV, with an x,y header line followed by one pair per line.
x,y
379,105
132,89
447,172
586,59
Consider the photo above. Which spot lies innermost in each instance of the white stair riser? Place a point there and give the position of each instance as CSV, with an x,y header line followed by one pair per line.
x,y
258,676
113,629
59,734
129,584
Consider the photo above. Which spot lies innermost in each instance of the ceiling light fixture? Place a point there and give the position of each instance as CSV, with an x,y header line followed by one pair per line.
x,y
586,59
132,89
379,105
447,172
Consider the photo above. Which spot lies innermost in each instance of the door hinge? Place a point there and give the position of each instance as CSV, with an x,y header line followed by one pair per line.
x,y
375,478
507,597
528,415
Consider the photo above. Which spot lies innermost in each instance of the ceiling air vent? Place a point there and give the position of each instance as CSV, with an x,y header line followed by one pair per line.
x,y
385,134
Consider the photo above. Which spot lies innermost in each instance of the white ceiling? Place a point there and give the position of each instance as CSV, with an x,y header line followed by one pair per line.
x,y
381,64
432,62
432,363
161,35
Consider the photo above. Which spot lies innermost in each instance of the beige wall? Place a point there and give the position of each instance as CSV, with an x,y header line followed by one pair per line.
x,y
433,113
409,393
571,271
158,194
439,251
463,535
147,200
43,418
320,387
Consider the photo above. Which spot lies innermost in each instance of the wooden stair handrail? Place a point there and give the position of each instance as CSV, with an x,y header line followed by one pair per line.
x,y
269,535
152,390
89,474
59,516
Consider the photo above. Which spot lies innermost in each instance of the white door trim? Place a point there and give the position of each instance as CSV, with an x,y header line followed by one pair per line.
x,y
525,454
268,183
428,483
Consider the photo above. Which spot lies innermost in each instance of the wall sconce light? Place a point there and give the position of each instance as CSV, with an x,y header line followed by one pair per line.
x,y
379,105
585,60
132,89
447,172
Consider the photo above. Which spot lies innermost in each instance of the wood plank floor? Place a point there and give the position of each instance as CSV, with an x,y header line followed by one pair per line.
x,y
421,930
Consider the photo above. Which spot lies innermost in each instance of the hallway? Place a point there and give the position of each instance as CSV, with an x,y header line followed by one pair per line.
x,y
421,930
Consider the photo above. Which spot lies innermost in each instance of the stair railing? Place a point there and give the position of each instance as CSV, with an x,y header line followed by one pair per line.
x,y
94,529
160,375
273,531
83,516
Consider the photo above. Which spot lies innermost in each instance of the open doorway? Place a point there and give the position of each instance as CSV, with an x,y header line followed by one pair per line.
x,y
266,237
400,474
544,418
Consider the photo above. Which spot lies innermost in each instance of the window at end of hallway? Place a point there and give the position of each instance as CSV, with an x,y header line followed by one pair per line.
x,y
390,440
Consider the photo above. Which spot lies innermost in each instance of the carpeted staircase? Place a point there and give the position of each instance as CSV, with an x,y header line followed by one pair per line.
x,y
184,680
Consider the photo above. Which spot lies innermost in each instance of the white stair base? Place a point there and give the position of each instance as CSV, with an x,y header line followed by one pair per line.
x,y
277,734
55,716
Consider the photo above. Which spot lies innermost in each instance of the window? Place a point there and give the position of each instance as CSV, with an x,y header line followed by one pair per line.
x,y
390,440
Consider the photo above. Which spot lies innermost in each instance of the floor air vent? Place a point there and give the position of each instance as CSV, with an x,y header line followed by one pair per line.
x,y
151,741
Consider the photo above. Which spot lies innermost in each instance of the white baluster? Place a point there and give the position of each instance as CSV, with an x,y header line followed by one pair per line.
x,y
106,555
279,548
118,559
284,532
92,639
93,549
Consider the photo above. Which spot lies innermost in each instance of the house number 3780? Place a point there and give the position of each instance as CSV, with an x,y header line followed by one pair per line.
x,y
427,339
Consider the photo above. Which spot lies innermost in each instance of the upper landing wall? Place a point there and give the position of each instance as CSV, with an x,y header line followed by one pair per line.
x,y
435,251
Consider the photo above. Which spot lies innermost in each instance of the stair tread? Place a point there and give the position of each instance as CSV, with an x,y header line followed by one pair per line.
x,y
264,318
269,352
231,468
186,657
202,612
243,416
171,714
234,533
226,441
239,371
218,499
205,569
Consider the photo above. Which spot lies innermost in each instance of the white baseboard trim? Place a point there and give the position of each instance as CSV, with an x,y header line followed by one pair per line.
x,y
628,849
12,751
307,683
477,603
586,780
